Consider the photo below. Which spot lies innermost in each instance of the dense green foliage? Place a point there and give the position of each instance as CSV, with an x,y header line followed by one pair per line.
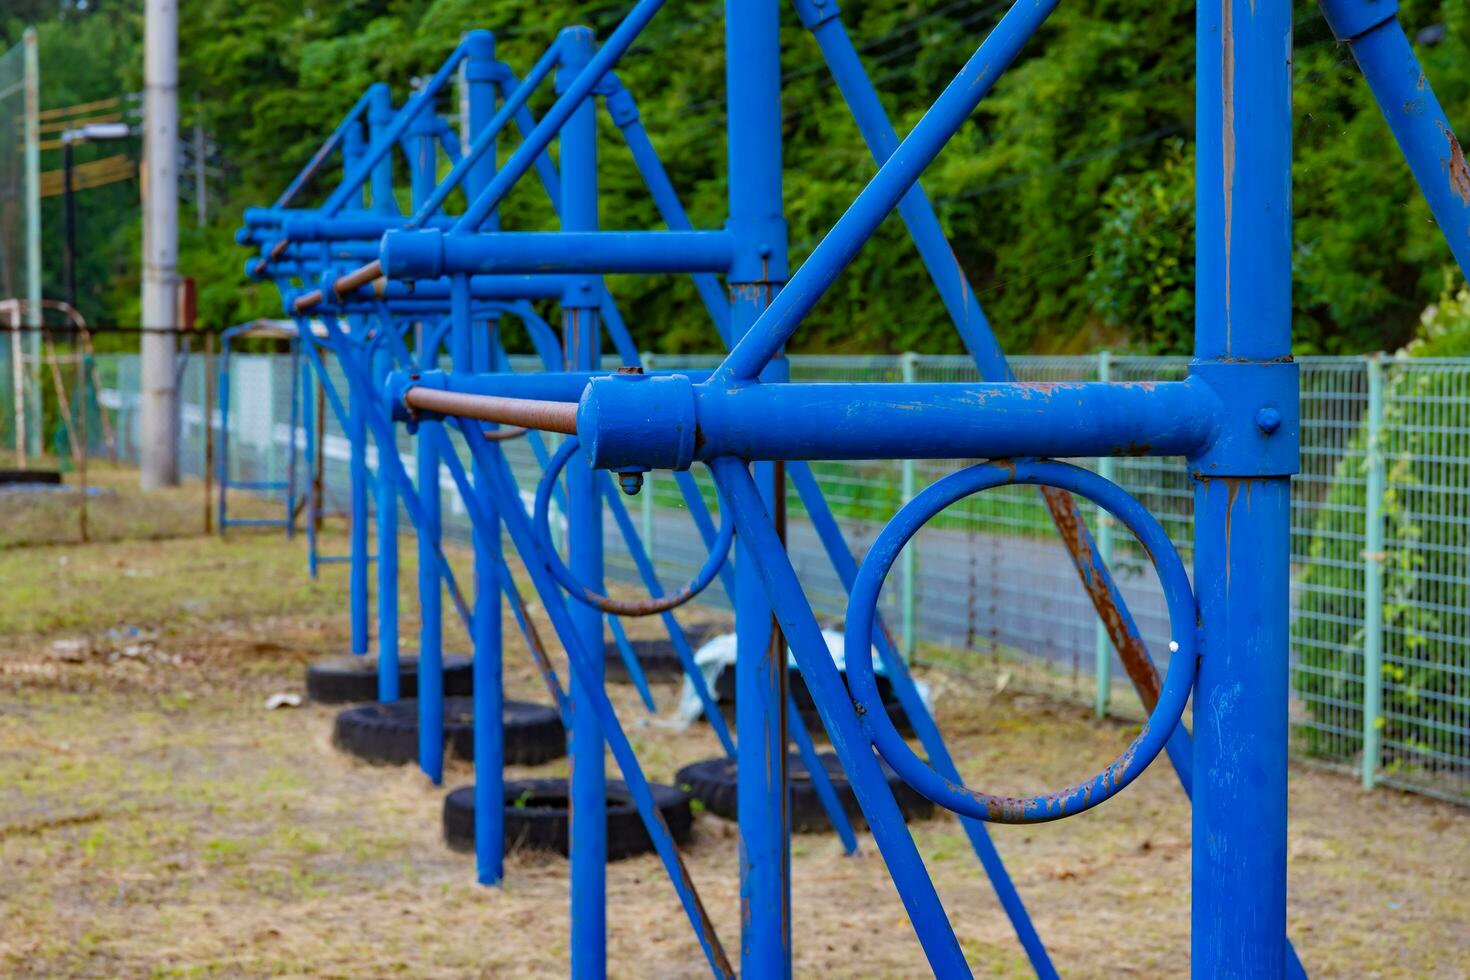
x,y
1068,197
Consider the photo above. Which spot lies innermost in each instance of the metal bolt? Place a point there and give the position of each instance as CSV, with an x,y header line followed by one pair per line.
x,y
631,482
1268,419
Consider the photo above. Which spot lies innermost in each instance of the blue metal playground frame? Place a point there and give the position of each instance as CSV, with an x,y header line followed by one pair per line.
x,y
433,280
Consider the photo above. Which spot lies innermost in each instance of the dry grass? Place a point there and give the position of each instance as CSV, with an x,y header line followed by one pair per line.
x,y
156,821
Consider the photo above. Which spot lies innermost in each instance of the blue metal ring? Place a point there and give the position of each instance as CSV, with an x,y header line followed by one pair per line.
x,y
1178,595
590,597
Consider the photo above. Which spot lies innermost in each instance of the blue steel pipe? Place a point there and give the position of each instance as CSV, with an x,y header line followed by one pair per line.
x,y
427,253
894,178
573,93
503,288
756,218
341,345
1372,31
644,565
471,353
584,667
380,180
422,171
582,339
545,169
354,251
834,704
383,433
353,148
308,421
1243,264
518,526
386,501
358,541
515,97
481,74
821,782
309,226
319,157
825,524
624,112
385,139
668,422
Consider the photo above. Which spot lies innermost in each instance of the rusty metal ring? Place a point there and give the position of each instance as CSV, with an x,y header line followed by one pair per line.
x,y
541,523
1145,747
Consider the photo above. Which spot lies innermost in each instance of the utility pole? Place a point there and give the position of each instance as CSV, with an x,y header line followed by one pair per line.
x,y
159,414
29,441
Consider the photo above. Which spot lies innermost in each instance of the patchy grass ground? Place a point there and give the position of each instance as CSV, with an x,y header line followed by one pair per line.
x,y
155,820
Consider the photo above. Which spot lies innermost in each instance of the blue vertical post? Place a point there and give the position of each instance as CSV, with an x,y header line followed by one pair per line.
x,y
431,600
353,150
358,577
224,432
423,155
421,171
380,116
753,91
582,337
1102,647
295,419
308,421
386,497
472,353
1243,487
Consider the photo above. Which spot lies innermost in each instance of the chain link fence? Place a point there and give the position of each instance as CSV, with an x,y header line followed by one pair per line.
x,y
1380,660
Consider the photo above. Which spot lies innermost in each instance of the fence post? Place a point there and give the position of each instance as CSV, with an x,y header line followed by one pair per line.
x,y
209,380
81,440
29,442
1102,644
1373,558
646,498
908,363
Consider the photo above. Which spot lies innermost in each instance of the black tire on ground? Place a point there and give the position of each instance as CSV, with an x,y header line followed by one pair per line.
x,y
52,477
712,782
537,817
657,657
724,694
388,734
353,680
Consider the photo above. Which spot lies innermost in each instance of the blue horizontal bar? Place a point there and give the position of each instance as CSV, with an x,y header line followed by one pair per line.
x,y
667,422
501,287
429,253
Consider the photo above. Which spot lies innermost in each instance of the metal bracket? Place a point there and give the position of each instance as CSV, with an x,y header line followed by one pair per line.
x,y
1259,419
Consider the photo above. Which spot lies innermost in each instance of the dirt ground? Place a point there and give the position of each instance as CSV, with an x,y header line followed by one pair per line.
x,y
156,820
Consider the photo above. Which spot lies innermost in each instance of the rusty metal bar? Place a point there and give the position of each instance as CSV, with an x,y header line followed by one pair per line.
x,y
527,413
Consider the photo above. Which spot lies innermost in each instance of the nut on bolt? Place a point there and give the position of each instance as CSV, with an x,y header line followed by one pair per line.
x,y
1268,419
631,481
